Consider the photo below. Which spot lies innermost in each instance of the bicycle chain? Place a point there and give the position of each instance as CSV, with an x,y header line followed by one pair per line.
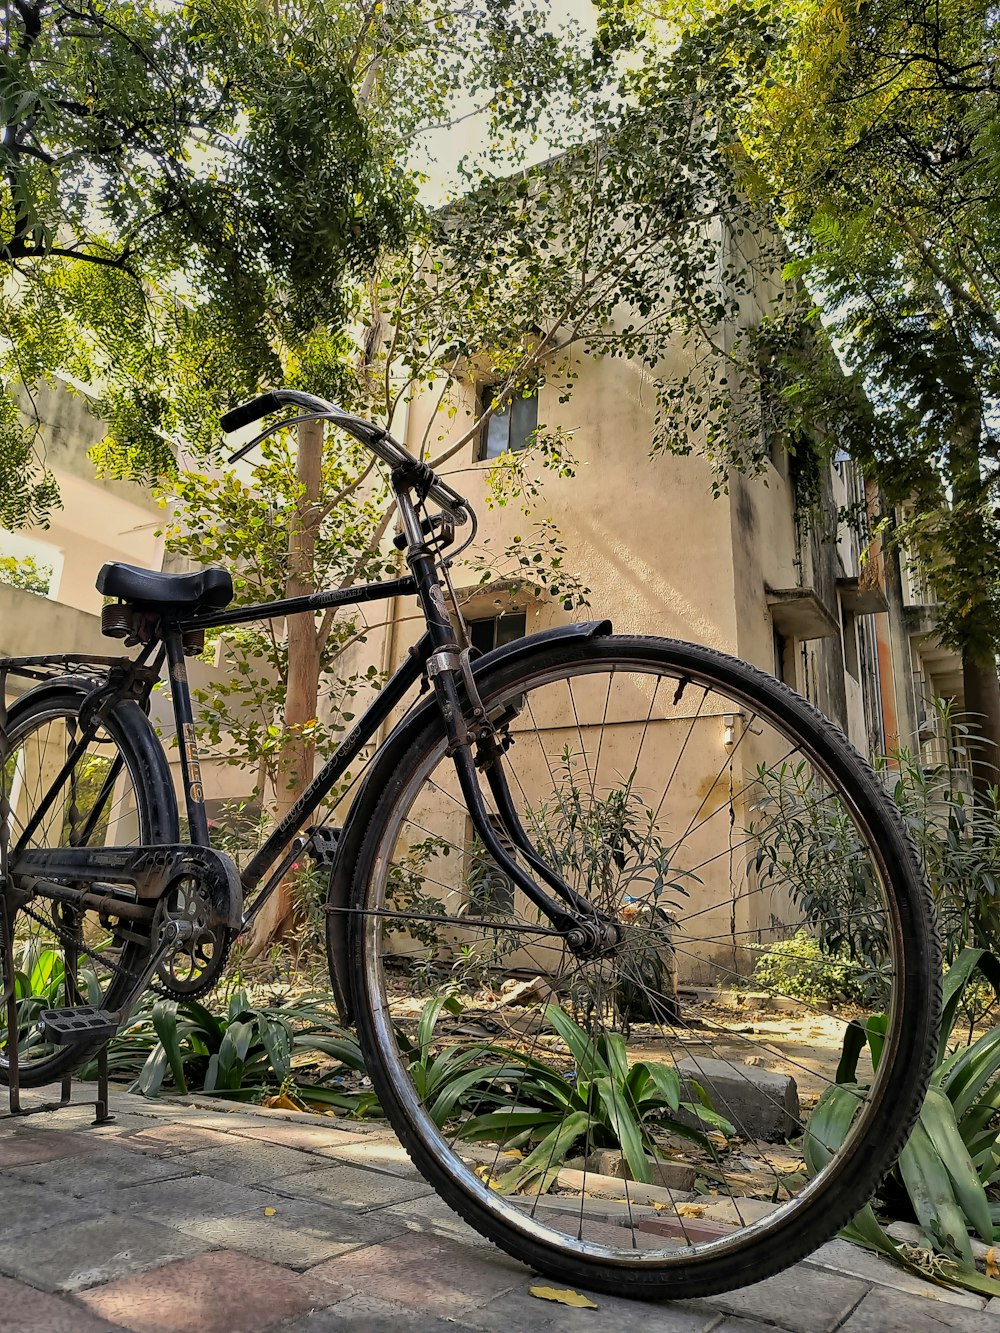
x,y
159,988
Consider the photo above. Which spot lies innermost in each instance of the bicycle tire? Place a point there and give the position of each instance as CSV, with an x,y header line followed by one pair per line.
x,y
729,1256
143,799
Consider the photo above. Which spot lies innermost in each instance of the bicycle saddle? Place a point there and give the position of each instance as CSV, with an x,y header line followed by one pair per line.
x,y
207,588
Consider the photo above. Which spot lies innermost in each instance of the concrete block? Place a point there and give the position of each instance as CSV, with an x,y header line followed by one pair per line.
x,y
841,1257
806,1300
596,1186
353,1187
671,1175
761,1104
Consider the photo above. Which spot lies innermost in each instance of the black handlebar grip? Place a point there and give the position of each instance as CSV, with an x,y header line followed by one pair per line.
x,y
261,406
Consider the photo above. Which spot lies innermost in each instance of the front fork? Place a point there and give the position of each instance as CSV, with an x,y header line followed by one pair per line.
x,y
587,932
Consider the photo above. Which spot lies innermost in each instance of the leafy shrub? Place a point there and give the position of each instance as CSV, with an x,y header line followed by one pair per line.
x,y
605,1103
953,1154
244,1053
800,969
807,845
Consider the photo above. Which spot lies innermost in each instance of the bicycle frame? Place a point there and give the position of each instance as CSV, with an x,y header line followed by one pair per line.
x,y
438,656
388,698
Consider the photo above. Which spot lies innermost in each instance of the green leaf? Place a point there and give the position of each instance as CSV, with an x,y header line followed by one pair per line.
x,y
165,1026
552,1150
621,1120
855,1038
932,1195
955,983
937,1116
584,1051
828,1126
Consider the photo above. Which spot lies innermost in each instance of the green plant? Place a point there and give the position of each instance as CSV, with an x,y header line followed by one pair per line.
x,y
953,1154
807,846
799,968
26,574
243,1053
957,835
603,1103
406,892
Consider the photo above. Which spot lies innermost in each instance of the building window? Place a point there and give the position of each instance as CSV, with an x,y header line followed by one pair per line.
x,y
510,427
784,657
494,631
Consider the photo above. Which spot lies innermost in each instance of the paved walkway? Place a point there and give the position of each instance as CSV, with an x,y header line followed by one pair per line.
x,y
188,1218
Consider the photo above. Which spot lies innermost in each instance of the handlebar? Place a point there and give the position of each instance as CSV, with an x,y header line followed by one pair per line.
x,y
379,441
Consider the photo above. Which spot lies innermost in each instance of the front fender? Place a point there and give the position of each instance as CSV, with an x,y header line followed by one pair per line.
x,y
384,763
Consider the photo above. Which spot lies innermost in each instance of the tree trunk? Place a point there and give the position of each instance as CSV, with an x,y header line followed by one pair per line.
x,y
982,702
977,555
297,762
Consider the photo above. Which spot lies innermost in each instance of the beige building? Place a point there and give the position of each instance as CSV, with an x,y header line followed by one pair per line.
x,y
746,573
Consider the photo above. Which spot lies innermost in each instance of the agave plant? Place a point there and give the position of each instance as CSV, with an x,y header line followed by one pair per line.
x,y
953,1155
245,1052
604,1103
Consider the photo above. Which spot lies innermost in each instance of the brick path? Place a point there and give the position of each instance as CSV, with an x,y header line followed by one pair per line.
x,y
188,1218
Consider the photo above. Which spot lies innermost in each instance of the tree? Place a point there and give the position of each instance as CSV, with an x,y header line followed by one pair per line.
x,y
189,191
26,574
870,133
186,187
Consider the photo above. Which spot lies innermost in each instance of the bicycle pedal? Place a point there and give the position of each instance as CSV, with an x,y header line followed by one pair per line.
x,y
65,1027
322,844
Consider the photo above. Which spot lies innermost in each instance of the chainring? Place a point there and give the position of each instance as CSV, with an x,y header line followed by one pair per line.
x,y
197,963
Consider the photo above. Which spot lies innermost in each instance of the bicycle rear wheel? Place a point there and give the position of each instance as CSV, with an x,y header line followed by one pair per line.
x,y
113,795
639,1122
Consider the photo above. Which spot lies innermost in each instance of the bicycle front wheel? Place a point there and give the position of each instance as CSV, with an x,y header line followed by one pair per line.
x,y
644,1122
116,793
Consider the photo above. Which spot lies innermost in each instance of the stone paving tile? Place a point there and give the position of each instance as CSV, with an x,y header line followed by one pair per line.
x,y
190,1199
310,1138
432,1216
384,1153
301,1234
887,1311
165,1140
518,1310
82,1254
740,1326
352,1187
25,1146
839,1256
28,1311
249,1161
362,1314
424,1273
801,1298
107,1168
220,1292
27,1208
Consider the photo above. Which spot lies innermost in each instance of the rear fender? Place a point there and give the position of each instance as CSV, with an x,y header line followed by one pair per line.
x,y
382,766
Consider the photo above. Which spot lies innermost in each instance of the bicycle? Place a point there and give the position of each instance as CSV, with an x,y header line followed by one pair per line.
x,y
585,810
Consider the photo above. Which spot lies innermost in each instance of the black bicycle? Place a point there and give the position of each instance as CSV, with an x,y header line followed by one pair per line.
x,y
560,874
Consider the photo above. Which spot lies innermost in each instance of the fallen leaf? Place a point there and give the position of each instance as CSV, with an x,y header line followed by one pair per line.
x,y
281,1103
690,1210
270,1212
563,1297
992,1264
